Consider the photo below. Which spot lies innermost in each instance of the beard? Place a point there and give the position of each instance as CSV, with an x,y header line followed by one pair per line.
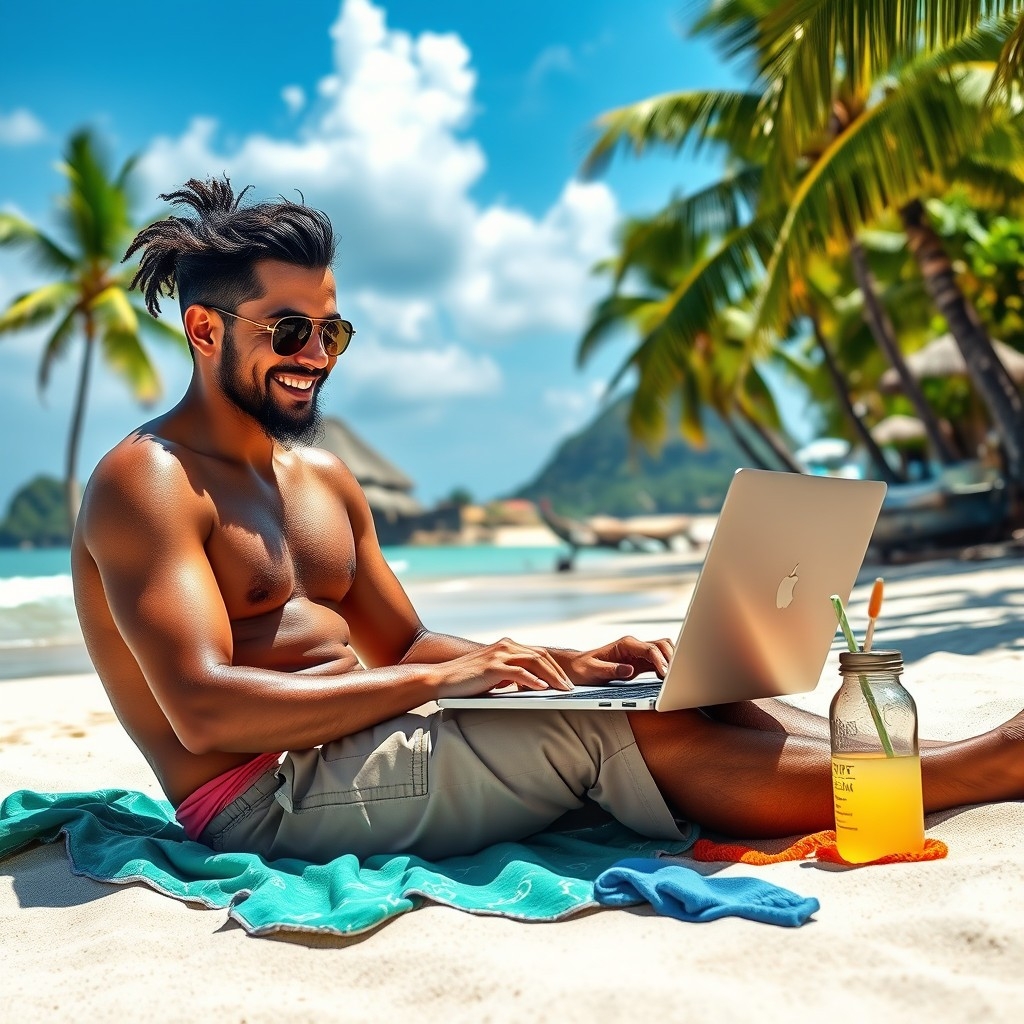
x,y
288,427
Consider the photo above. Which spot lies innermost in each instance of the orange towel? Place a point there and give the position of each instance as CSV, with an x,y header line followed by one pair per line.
x,y
819,845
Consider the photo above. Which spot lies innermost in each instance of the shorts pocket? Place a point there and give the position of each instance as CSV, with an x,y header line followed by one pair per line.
x,y
366,768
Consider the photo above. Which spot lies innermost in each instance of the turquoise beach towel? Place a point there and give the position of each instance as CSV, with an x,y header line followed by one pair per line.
x,y
122,836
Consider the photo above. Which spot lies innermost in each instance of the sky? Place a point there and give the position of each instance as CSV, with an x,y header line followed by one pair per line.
x,y
445,142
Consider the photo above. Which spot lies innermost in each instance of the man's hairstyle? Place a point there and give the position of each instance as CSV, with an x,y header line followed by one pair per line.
x,y
210,258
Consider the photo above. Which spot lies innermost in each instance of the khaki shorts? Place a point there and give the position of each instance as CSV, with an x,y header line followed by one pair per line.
x,y
445,784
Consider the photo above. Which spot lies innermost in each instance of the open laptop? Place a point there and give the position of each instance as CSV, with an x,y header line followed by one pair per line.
x,y
760,622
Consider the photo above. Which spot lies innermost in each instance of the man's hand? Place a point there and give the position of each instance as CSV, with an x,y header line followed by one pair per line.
x,y
623,659
499,664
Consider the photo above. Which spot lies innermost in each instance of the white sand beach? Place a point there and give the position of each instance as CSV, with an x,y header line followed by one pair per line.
x,y
941,940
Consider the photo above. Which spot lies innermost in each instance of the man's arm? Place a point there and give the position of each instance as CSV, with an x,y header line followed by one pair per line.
x,y
145,527
386,629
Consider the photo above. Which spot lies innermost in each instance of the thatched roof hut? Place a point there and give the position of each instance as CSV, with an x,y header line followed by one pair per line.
x,y
941,357
386,487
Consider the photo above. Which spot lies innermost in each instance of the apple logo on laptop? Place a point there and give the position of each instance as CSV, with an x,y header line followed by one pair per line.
x,y
784,595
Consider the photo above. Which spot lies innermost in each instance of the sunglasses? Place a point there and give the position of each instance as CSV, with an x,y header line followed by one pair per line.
x,y
291,334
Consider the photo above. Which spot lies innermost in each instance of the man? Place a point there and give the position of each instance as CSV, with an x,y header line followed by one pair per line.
x,y
259,650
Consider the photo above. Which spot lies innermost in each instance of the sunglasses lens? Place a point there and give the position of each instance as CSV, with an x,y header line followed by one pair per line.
x,y
291,334
336,335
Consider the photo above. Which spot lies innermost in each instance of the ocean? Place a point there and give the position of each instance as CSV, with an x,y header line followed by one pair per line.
x,y
473,589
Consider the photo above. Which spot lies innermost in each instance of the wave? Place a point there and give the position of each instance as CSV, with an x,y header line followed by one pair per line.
x,y
16,591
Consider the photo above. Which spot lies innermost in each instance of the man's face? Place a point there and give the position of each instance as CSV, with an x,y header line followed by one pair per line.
x,y
281,393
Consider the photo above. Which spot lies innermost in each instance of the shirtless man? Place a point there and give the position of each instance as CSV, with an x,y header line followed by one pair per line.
x,y
262,655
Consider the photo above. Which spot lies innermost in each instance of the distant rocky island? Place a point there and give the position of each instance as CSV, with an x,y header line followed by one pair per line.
x,y
37,516
598,471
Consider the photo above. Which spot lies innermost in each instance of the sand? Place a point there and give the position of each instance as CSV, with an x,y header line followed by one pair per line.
x,y
942,941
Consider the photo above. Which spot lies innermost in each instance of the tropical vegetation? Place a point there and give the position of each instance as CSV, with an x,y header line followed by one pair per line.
x,y
87,298
826,243
37,516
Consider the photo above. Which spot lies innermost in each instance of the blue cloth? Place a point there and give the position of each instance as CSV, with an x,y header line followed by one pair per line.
x,y
681,892
124,836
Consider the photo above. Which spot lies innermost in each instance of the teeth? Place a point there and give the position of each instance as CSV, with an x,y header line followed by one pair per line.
x,y
302,383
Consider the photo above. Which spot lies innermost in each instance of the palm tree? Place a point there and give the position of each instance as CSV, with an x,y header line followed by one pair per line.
x,y
89,296
715,371
837,158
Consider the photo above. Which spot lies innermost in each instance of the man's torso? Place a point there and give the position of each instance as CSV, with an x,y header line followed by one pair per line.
x,y
283,555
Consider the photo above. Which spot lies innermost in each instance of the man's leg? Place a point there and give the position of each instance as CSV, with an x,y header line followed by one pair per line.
x,y
758,782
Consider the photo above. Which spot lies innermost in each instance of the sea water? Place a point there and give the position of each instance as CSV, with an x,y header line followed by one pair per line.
x,y
472,589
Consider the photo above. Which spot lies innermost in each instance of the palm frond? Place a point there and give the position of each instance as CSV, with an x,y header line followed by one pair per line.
x,y
94,209
37,306
55,347
729,274
125,355
679,234
1009,74
734,119
18,232
159,329
114,311
803,44
914,135
610,315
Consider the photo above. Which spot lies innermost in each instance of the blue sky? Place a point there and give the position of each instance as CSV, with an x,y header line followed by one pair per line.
x,y
443,139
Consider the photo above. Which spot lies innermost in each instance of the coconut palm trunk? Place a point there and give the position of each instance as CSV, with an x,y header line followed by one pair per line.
x,y
774,445
72,487
987,373
878,321
753,456
886,472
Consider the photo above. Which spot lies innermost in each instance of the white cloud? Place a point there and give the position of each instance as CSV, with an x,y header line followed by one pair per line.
x,y
381,379
21,128
551,60
294,97
521,274
405,320
383,147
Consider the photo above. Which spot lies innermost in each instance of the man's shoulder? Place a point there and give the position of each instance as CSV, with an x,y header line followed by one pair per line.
x,y
323,464
143,471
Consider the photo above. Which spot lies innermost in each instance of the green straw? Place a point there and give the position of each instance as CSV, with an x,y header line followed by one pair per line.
x,y
851,642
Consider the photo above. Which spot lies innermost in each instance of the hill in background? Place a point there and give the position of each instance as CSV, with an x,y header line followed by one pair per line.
x,y
598,471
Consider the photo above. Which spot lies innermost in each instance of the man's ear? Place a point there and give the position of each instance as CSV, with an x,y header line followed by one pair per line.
x,y
204,328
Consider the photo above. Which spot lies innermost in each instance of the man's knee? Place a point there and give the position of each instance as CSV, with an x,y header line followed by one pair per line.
x,y
655,731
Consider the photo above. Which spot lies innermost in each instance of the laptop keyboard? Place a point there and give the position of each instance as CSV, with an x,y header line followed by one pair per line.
x,y
636,691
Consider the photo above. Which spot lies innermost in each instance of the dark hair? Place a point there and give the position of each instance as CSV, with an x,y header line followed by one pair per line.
x,y
210,258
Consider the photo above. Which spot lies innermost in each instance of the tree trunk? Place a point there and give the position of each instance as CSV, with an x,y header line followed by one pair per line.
x,y
742,443
877,319
777,448
886,472
72,488
987,373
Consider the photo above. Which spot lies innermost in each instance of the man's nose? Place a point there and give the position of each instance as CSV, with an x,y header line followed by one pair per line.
x,y
313,353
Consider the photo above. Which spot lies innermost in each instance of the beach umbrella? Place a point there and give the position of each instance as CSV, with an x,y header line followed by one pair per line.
x,y
941,357
898,429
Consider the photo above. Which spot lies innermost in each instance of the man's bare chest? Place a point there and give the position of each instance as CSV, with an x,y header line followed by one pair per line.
x,y
273,544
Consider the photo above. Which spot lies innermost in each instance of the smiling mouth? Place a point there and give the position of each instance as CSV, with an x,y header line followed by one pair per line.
x,y
300,387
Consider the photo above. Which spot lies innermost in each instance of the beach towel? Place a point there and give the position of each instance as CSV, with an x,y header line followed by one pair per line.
x,y
123,836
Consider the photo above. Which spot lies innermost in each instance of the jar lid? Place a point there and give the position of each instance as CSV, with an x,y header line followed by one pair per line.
x,y
890,662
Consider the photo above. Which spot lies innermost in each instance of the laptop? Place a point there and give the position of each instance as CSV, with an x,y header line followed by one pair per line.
x,y
760,622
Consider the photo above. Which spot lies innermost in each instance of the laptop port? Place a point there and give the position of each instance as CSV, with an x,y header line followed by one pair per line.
x,y
629,703
604,703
